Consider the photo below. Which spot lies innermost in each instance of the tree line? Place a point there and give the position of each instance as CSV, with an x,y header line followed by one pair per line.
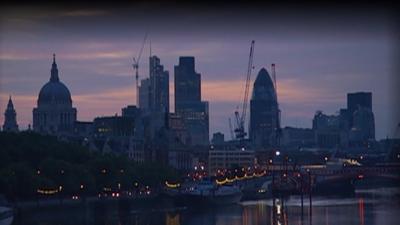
x,y
30,162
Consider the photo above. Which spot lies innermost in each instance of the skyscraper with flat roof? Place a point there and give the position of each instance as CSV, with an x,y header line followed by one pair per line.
x,y
359,99
188,102
187,85
361,118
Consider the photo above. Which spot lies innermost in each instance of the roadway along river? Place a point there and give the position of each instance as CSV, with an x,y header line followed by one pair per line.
x,y
367,207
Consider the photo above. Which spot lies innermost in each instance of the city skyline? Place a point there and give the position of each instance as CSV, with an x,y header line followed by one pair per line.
x,y
311,64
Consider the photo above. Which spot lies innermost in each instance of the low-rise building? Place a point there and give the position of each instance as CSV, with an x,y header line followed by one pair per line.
x,y
295,138
113,126
225,159
182,159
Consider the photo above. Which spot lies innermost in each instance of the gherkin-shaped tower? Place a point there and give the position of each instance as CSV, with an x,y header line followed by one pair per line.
x,y
264,113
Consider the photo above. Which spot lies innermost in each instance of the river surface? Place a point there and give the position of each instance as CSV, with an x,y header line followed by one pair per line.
x,y
367,207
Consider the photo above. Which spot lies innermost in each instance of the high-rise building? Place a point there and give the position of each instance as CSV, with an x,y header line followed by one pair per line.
x,y
363,128
361,118
356,100
187,85
264,113
144,93
178,131
154,99
159,86
188,102
54,113
10,118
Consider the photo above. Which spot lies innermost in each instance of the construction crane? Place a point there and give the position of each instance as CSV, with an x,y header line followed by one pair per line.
x,y
135,66
240,119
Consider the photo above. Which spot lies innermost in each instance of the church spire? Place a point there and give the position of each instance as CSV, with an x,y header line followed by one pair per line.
x,y
10,117
54,70
10,104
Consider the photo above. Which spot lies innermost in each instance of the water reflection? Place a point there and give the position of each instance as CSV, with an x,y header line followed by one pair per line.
x,y
363,209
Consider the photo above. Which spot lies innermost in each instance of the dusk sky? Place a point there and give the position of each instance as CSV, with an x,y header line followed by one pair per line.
x,y
320,56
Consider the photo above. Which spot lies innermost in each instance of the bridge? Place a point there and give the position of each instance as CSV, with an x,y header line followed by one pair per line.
x,y
299,179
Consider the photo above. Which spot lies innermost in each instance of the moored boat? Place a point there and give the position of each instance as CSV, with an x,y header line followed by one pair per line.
x,y
208,193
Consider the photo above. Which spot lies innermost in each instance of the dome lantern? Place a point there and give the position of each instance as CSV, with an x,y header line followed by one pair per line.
x,y
54,91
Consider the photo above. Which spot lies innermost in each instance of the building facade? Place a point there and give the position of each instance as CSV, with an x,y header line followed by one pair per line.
x,y
294,138
358,99
264,113
361,118
227,159
363,129
144,94
188,102
54,113
329,131
113,126
10,118
218,139
187,85
159,86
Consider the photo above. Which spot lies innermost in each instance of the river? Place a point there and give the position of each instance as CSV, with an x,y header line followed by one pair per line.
x,y
366,207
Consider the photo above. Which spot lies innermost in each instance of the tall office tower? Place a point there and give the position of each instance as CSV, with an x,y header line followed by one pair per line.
x,y
363,99
144,93
159,86
188,102
187,85
361,117
363,128
264,113
10,118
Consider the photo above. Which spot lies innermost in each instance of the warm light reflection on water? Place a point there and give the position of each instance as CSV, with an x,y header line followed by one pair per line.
x,y
366,208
